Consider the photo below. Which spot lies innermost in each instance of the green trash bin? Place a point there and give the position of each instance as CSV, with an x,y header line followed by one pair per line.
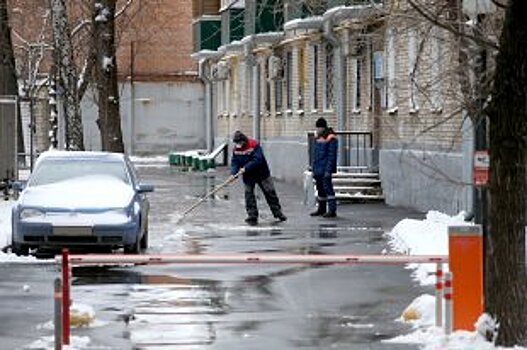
x,y
203,164
195,163
188,160
179,159
172,158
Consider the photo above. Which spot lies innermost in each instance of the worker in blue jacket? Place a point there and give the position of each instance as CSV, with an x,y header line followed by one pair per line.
x,y
324,165
248,159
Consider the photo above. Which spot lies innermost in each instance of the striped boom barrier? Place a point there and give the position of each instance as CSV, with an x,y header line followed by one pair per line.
x,y
70,260
253,258
448,304
439,294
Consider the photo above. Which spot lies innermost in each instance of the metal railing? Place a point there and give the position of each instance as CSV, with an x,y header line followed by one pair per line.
x,y
356,149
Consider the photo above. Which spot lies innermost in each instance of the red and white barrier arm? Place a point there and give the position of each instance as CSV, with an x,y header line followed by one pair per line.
x,y
253,258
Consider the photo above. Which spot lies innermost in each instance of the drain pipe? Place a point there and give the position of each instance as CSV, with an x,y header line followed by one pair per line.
x,y
204,69
339,79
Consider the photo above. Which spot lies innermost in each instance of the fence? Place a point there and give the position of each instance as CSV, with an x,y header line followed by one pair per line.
x,y
355,149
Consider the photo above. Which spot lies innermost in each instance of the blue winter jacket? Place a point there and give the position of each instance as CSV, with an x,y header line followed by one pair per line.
x,y
251,158
325,155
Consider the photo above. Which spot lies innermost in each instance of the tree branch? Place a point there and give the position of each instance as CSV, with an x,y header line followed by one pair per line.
x,y
123,9
430,16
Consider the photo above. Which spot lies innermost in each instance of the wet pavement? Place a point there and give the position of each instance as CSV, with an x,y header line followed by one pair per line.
x,y
228,306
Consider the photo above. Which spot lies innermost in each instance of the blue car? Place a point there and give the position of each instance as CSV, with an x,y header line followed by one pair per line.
x,y
81,200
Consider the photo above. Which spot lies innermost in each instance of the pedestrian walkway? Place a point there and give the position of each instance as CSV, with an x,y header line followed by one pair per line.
x,y
229,208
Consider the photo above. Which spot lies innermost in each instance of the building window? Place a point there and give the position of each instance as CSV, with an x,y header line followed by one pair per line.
x,y
437,65
379,79
301,77
391,94
356,66
289,79
266,87
278,94
329,95
314,77
412,70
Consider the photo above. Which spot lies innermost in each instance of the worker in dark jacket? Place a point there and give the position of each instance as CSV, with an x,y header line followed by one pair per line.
x,y
324,165
248,159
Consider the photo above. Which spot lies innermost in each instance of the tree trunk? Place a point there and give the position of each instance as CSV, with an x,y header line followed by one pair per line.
x,y
8,86
106,71
508,131
67,75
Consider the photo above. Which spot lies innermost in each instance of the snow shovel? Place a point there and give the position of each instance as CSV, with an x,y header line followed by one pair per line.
x,y
202,199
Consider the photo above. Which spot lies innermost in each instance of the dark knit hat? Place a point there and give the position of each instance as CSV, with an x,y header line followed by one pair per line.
x,y
321,123
239,137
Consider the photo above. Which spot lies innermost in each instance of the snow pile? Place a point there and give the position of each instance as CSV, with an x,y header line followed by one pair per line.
x,y
5,223
76,343
424,237
430,236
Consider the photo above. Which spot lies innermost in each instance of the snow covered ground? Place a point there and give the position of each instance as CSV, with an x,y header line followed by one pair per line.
x,y
409,236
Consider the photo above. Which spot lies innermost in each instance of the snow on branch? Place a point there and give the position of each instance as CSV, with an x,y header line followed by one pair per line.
x,y
123,9
107,63
81,25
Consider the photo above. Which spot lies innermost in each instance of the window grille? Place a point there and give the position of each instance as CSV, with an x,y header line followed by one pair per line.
x,y
356,66
391,94
437,65
412,70
289,79
314,77
329,84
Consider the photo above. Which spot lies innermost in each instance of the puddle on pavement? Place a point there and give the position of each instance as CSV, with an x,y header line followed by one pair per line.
x,y
171,310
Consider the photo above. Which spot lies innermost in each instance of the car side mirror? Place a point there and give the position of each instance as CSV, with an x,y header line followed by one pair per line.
x,y
18,186
144,188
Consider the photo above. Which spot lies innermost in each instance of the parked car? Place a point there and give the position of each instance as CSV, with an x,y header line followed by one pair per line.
x,y
81,199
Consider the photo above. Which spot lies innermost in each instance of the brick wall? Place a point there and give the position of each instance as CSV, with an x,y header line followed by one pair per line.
x,y
160,30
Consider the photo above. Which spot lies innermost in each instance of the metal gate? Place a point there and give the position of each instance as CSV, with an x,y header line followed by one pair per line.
x,y
8,139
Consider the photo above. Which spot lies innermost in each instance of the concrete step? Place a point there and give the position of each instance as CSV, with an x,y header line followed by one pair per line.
x,y
355,188
353,175
356,181
357,196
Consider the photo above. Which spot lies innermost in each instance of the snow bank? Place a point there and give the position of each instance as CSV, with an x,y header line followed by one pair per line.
x,y
5,223
424,237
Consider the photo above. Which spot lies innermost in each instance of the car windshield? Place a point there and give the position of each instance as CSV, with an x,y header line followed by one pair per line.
x,y
54,170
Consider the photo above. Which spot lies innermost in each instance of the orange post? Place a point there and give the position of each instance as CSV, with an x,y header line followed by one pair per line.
x,y
465,244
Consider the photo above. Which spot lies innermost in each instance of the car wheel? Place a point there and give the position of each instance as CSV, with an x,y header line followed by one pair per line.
x,y
20,249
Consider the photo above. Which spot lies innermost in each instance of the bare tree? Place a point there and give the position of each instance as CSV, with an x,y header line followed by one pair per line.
x,y
8,85
496,89
106,77
67,74
508,149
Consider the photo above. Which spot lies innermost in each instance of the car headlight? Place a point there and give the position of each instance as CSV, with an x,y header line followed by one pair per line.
x,y
31,214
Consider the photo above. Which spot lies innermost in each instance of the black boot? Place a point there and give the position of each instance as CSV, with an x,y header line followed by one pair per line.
x,y
280,216
330,214
321,210
252,220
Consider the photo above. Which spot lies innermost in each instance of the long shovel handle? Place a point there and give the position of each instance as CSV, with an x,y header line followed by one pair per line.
x,y
202,199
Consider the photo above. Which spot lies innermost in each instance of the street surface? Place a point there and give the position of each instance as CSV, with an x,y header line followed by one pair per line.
x,y
227,306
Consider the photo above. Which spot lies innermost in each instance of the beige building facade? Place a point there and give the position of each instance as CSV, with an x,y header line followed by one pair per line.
x,y
372,69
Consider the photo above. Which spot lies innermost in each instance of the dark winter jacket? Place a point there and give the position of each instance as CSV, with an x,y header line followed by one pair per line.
x,y
251,158
325,154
